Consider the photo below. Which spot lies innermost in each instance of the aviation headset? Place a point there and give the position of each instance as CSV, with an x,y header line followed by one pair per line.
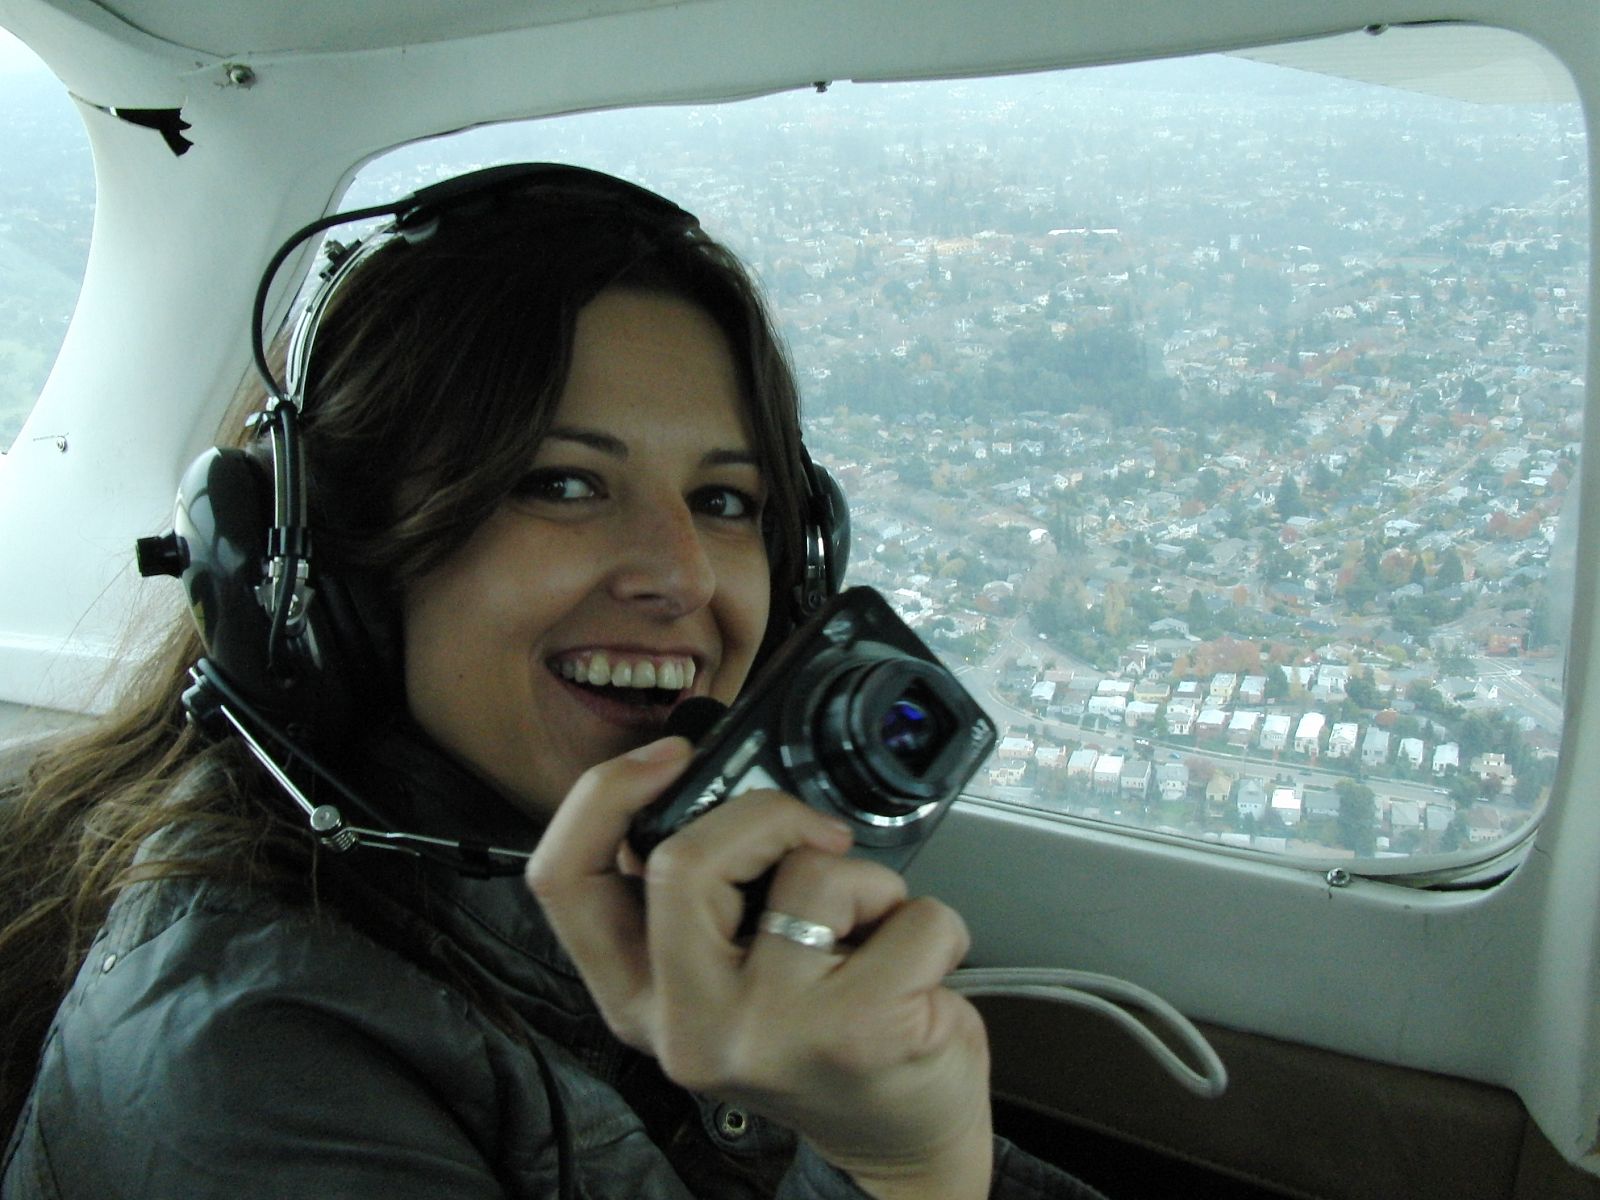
x,y
293,649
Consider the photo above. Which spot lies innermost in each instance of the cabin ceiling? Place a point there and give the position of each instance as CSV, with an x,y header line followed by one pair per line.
x,y
1463,61
300,26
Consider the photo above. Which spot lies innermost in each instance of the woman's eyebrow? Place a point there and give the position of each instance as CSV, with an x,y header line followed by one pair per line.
x,y
615,447
595,440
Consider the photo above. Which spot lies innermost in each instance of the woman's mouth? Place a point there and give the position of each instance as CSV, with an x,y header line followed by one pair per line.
x,y
627,688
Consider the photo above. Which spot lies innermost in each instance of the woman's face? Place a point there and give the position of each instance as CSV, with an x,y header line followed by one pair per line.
x,y
626,571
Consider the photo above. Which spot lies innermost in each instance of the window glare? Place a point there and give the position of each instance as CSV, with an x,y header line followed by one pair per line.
x,y
46,210
1213,419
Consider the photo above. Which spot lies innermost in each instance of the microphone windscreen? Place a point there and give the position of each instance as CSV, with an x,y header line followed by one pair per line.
x,y
694,718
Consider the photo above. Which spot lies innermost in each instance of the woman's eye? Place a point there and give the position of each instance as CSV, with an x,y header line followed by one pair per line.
x,y
728,503
555,487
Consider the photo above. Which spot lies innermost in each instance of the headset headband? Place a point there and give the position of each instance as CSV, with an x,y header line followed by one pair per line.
x,y
416,218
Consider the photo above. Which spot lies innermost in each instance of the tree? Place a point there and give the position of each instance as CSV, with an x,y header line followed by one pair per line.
x,y
1361,690
1358,817
1289,503
1450,573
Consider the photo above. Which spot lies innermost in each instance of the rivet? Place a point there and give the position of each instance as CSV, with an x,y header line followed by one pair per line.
x,y
732,1123
107,963
240,75
1338,877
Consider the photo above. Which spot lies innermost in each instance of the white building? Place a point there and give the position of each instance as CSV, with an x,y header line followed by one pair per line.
x,y
1343,738
1111,708
1374,747
1181,716
1446,757
1108,773
1308,733
1014,747
1275,732
1172,779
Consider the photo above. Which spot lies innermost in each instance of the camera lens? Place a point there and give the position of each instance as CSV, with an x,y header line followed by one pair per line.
x,y
884,732
910,733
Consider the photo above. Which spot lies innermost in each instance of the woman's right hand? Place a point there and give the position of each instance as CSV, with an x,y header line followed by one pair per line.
x,y
865,1053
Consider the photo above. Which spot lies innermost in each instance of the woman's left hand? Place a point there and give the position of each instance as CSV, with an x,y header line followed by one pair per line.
x,y
884,1070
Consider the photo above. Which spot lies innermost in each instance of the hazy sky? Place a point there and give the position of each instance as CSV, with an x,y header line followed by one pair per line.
x,y
14,55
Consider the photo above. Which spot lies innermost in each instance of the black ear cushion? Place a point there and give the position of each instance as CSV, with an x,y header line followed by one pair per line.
x,y
223,511
831,512
341,668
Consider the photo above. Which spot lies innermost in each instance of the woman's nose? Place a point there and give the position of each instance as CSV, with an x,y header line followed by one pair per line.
x,y
664,561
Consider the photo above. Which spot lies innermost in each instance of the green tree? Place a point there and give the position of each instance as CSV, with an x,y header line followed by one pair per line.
x,y
1358,817
1289,503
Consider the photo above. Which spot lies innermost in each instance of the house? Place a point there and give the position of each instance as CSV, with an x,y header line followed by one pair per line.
x,y
1172,781
1252,798
1218,788
1411,751
1080,765
1223,686
1252,689
1493,768
1043,694
1483,824
1446,758
1275,732
1308,734
1321,804
1374,747
1404,816
1014,748
1111,708
1051,758
1181,715
1331,681
1242,726
1285,803
1342,739
1139,713
1108,773
1135,780
1152,691
1211,723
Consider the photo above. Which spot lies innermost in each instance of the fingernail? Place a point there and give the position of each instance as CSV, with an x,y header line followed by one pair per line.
x,y
659,751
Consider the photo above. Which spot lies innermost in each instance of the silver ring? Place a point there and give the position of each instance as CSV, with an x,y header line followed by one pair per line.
x,y
798,930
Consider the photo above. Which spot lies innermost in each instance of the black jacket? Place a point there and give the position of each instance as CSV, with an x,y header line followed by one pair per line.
x,y
223,1040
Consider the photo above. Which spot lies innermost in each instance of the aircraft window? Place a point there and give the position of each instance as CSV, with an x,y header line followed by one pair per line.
x,y
1216,419
46,209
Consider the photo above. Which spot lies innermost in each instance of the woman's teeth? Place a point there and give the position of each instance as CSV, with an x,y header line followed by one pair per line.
x,y
598,670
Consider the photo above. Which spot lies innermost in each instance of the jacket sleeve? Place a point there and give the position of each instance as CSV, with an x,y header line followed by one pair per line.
x,y
1017,1176
223,1058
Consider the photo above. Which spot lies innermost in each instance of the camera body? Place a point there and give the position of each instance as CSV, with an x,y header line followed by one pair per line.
x,y
854,716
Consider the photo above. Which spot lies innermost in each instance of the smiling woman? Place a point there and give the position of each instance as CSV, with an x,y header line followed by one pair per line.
x,y
553,486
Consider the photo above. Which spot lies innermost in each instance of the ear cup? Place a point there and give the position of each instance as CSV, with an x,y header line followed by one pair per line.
x,y
827,541
328,673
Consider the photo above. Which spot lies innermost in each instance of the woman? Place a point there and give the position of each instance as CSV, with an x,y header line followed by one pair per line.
x,y
555,467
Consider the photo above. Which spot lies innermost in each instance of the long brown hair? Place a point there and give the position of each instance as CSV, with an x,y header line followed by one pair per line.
x,y
435,372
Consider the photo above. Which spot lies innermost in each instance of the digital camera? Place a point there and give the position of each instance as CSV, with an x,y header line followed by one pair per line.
x,y
854,716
